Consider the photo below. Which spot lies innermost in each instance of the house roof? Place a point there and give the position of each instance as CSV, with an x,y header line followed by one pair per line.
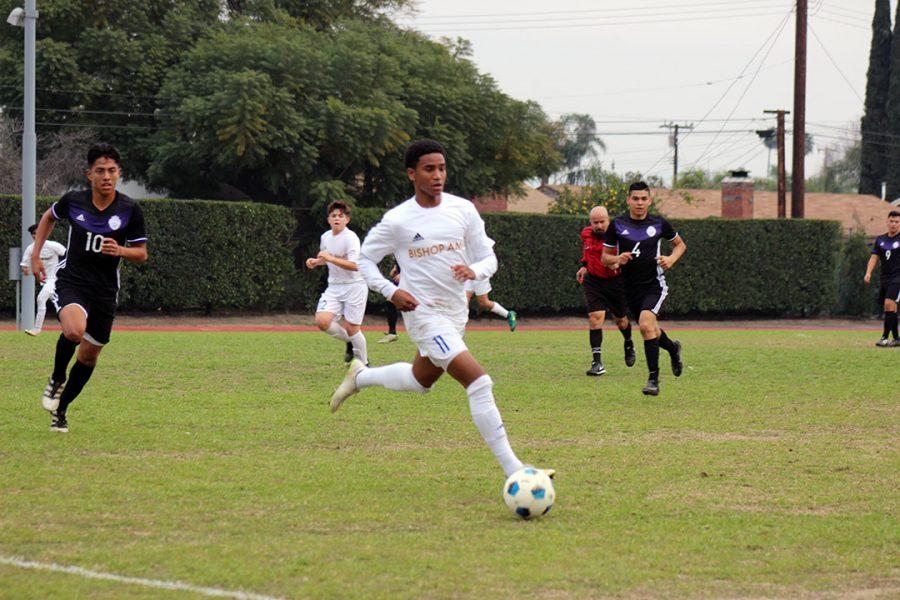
x,y
533,201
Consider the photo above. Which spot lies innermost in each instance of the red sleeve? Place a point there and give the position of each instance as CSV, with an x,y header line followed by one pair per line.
x,y
585,235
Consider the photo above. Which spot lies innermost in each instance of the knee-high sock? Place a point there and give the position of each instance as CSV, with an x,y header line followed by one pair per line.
x,y
42,299
651,350
336,331
397,377
359,346
487,419
596,336
78,376
392,318
626,333
665,343
890,324
499,310
64,351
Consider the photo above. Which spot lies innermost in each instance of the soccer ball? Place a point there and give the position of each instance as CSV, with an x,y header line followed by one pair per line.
x,y
529,493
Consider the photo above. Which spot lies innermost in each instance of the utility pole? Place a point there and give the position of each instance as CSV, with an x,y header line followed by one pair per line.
x,y
674,127
782,192
798,174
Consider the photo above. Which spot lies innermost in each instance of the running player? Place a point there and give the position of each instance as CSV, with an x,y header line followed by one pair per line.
x,y
886,248
480,289
50,255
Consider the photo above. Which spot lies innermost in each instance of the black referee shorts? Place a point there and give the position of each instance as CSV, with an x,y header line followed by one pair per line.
x,y
649,296
100,311
604,294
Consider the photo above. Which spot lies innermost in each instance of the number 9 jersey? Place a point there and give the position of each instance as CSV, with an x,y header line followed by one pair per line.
x,y
85,266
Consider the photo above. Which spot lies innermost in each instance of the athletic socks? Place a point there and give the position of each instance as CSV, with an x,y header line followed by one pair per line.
x,y
359,346
487,419
338,332
651,350
398,377
626,333
890,324
499,310
596,336
665,343
78,376
65,349
392,318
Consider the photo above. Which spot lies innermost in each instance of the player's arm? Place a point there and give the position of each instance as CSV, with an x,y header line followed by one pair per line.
x,y
340,262
379,243
678,250
612,260
136,252
870,267
44,229
479,246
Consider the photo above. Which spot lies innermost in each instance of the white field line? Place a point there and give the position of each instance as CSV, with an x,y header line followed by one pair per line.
x,y
154,583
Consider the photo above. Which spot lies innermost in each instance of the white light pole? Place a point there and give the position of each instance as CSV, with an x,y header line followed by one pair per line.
x,y
27,18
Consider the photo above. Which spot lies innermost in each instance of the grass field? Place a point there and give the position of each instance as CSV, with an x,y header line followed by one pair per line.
x,y
769,469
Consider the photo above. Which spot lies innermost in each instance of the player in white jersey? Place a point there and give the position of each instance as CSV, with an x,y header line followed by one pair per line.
x,y
480,290
342,306
439,243
51,252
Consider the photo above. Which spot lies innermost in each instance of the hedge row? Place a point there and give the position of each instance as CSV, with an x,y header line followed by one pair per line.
x,y
203,255
209,255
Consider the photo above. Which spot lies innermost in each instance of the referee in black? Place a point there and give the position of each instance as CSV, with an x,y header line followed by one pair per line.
x,y
105,226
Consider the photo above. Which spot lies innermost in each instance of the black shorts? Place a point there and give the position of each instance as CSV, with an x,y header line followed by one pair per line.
x,y
890,290
648,296
604,294
100,311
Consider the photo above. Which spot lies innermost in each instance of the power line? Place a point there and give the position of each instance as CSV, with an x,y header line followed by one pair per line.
x,y
89,112
834,64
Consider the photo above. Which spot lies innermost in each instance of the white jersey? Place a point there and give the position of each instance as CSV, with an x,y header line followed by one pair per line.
x,y
344,245
427,243
51,252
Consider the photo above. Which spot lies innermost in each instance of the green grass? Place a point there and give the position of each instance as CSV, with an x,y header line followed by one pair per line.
x,y
770,468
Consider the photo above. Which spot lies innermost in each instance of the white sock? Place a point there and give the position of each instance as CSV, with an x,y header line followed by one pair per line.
x,y
397,377
39,316
359,346
487,419
336,331
499,310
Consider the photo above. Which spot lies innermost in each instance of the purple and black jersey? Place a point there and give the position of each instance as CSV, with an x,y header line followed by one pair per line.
x,y
887,249
641,238
84,265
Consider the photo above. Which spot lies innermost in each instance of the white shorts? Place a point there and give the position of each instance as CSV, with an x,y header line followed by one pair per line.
x,y
345,300
438,338
479,287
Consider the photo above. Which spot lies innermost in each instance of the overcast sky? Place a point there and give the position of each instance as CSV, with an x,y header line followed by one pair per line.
x,y
714,63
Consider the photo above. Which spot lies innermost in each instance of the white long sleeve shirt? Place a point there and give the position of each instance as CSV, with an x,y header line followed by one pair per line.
x,y
427,243
51,252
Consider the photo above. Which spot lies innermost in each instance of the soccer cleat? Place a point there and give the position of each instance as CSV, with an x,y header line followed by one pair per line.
x,y
596,369
652,388
895,343
511,319
52,392
630,356
676,359
388,338
348,385
883,342
33,332
348,353
58,423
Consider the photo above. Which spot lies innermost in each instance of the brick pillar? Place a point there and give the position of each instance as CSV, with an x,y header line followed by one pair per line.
x,y
737,196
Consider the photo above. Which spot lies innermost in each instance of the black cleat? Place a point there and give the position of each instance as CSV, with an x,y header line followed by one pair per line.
x,y
596,369
652,388
348,353
630,356
58,423
676,359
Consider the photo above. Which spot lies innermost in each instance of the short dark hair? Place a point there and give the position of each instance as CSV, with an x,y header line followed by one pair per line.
x,y
98,151
638,186
420,148
338,205
894,213
32,229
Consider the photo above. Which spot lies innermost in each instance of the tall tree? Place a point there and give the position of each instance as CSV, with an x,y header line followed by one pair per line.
x,y
577,142
892,141
874,152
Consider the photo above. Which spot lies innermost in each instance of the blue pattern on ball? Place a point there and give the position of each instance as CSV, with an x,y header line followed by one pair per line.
x,y
513,488
538,493
531,471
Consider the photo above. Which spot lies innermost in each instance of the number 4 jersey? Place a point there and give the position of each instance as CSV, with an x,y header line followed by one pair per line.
x,y
85,266
641,238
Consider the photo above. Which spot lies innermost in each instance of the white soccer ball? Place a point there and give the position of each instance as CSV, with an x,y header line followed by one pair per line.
x,y
529,493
